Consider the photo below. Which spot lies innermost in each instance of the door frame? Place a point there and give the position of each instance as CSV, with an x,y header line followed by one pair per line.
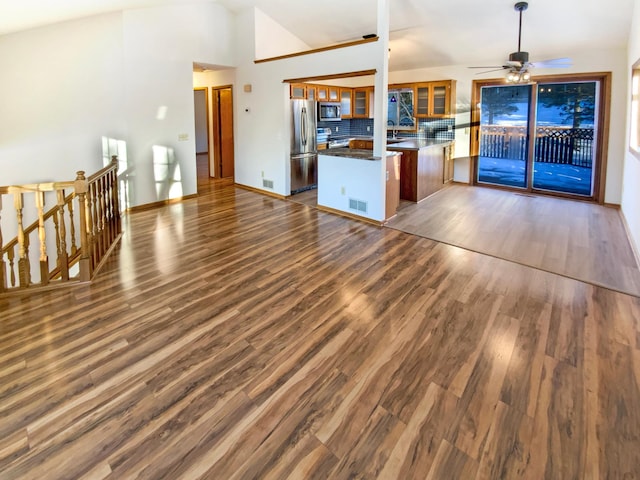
x,y
217,141
601,137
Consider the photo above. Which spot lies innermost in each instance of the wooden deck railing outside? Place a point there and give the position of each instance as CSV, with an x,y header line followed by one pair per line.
x,y
564,145
85,224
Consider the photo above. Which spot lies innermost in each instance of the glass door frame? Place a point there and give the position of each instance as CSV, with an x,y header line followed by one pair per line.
x,y
601,133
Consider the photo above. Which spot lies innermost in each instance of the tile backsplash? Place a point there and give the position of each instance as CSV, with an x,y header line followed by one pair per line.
x,y
431,128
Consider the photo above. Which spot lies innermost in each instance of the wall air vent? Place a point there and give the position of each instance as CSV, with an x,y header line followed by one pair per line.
x,y
267,183
358,205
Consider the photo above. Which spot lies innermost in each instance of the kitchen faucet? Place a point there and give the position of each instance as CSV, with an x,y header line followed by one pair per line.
x,y
394,131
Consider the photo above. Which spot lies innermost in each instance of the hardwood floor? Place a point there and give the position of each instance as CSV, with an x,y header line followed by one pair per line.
x,y
238,336
580,240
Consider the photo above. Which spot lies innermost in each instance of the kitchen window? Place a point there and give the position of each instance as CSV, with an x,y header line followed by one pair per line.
x,y
400,114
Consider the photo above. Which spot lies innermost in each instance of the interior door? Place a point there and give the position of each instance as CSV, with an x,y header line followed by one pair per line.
x,y
223,131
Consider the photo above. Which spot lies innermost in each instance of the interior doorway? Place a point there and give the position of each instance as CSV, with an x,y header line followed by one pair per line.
x,y
222,113
546,136
201,114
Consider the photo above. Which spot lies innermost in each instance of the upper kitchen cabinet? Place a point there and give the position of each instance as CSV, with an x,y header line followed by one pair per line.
x,y
334,94
345,102
312,92
298,90
361,97
321,93
435,99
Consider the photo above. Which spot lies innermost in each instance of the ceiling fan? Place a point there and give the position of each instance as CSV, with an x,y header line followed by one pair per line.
x,y
518,64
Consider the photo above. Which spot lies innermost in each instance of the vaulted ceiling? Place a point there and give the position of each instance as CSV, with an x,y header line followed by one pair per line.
x,y
423,33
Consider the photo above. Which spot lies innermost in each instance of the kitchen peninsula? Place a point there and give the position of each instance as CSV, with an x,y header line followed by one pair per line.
x,y
426,166
358,183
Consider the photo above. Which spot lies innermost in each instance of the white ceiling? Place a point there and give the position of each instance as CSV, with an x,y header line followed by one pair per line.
x,y
424,33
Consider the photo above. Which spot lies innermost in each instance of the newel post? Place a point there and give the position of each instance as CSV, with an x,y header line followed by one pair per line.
x,y
81,186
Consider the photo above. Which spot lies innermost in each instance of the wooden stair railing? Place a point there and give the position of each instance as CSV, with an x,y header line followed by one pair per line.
x,y
82,244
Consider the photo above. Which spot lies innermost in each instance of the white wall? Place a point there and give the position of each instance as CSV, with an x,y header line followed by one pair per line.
x,y
66,85
272,40
631,168
263,116
158,65
61,89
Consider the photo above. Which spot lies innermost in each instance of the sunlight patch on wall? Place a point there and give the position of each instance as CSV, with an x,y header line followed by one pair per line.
x,y
166,172
110,147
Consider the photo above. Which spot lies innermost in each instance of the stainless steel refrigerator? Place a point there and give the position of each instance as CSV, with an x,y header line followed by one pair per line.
x,y
304,148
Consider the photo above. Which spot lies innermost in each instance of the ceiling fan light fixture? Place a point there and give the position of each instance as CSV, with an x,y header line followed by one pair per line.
x,y
517,76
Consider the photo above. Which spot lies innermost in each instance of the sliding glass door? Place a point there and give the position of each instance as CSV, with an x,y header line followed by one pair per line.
x,y
539,137
504,135
564,143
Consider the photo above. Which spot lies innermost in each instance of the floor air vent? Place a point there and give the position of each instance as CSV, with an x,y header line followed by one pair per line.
x,y
267,183
358,205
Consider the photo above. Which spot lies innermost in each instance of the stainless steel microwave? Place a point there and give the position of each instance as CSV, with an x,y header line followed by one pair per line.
x,y
329,112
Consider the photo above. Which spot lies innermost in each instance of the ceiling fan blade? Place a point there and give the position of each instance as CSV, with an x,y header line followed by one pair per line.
x,y
554,63
490,66
489,71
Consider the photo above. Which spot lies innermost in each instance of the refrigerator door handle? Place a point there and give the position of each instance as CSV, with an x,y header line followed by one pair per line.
x,y
303,125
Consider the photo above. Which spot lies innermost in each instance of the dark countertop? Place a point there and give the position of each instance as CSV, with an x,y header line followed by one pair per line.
x,y
353,153
418,143
412,143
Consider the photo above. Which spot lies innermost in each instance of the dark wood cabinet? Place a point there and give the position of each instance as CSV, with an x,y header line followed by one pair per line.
x,y
421,172
361,144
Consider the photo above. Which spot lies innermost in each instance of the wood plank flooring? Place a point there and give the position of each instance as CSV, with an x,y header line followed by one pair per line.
x,y
577,239
237,336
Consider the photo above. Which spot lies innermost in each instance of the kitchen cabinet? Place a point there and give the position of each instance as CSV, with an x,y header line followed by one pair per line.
x,y
321,93
345,102
333,94
298,90
435,99
392,185
361,102
361,144
311,92
421,172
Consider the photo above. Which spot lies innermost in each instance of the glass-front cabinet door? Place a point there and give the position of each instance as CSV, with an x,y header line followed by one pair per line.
x,y
298,90
345,102
311,92
361,103
439,100
422,100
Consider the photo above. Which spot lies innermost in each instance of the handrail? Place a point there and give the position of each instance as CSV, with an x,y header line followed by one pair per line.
x,y
97,229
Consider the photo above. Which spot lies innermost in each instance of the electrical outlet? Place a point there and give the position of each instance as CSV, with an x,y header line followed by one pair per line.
x,y
342,190
368,128
336,129
262,173
183,137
